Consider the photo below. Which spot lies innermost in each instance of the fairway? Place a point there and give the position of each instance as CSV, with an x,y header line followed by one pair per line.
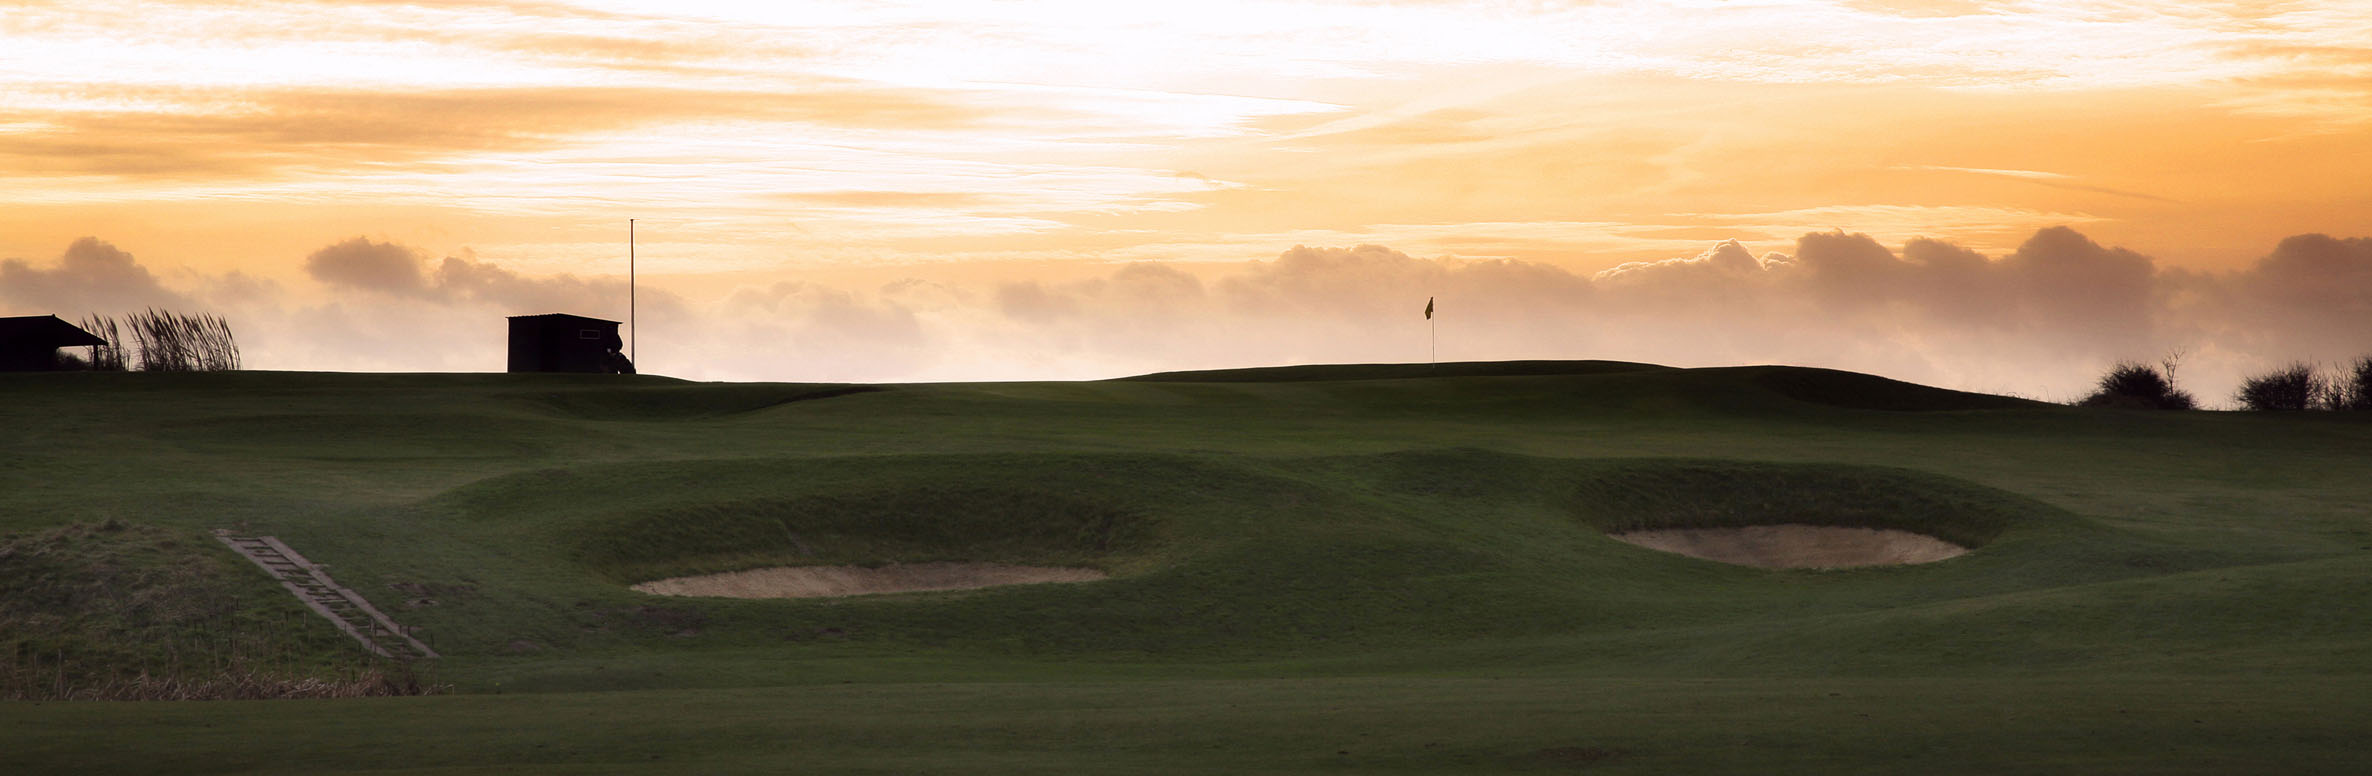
x,y
1330,569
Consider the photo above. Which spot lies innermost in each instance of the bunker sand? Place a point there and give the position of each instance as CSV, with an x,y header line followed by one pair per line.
x,y
832,581
1797,546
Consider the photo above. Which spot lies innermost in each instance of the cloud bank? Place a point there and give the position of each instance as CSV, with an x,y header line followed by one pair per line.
x,y
2040,321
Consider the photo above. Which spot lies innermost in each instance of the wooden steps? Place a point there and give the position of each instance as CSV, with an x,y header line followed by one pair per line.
x,y
348,610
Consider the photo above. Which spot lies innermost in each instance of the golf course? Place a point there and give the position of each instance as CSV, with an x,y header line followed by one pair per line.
x,y
1314,569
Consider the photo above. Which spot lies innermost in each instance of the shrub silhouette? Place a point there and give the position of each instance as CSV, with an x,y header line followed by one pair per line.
x,y
2135,385
2351,390
2293,387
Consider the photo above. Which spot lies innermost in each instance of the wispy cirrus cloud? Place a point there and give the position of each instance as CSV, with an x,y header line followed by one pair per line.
x,y
2054,179
1492,129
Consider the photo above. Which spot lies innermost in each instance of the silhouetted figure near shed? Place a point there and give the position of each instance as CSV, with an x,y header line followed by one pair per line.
x,y
615,359
30,343
559,342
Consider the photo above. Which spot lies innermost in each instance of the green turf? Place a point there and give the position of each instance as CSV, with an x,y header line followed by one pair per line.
x,y
1405,564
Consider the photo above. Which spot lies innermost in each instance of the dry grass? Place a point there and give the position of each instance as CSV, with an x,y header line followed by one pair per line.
x,y
40,683
119,611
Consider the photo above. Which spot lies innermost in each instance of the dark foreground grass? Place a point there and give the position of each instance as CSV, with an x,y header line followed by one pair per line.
x,y
1362,725
1359,568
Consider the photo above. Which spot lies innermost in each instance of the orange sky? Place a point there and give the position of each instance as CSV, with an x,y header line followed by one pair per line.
x,y
984,145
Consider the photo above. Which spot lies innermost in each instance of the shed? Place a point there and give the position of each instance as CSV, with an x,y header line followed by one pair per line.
x,y
30,343
559,342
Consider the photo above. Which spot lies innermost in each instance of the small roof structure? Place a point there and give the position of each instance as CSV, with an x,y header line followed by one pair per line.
x,y
45,330
31,342
568,318
559,342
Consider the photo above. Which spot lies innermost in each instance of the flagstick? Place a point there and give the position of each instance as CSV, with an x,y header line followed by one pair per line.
x,y
1433,329
633,332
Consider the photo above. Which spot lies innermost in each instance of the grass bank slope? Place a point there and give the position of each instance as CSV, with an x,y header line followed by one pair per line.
x,y
1268,534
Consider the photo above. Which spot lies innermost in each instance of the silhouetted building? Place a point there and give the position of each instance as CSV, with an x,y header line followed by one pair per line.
x,y
30,343
559,342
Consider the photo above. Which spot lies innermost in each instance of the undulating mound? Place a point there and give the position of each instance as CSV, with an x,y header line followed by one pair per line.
x,y
1314,372
130,611
1797,546
1854,390
1654,495
937,522
684,402
833,581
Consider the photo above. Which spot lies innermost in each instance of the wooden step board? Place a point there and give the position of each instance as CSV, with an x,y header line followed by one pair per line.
x,y
344,607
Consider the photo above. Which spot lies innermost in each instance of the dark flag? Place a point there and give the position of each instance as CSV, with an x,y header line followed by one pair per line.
x,y
1428,308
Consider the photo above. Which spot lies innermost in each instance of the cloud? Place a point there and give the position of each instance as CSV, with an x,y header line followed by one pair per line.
x,y
2040,320
2052,179
251,133
2310,298
393,270
91,276
369,266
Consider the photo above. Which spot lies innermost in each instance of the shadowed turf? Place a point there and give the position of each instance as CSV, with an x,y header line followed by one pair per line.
x,y
1328,568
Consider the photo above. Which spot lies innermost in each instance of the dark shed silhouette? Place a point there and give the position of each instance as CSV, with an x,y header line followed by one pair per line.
x,y
559,342
30,343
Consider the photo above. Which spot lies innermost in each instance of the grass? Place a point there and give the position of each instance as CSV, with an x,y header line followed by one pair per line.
x,y
121,611
1403,564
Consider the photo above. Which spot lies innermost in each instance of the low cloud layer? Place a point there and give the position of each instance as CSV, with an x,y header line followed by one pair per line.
x,y
2039,321
89,275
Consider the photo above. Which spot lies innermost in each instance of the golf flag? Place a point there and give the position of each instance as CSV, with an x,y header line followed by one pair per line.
x,y
1428,308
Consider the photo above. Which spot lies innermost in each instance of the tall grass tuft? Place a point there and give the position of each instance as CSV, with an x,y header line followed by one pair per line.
x,y
172,342
2135,385
108,357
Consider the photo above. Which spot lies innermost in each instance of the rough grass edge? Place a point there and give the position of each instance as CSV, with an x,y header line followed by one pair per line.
x,y
28,683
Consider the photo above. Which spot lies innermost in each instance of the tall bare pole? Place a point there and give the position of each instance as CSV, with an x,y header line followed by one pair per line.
x,y
633,332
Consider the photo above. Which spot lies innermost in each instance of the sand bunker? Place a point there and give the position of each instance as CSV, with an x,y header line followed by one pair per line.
x,y
827,581
1796,546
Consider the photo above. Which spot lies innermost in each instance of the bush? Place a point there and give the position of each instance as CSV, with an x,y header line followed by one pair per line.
x,y
2135,385
2293,387
2351,390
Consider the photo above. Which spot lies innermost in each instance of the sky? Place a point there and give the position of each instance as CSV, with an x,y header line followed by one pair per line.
x,y
1999,195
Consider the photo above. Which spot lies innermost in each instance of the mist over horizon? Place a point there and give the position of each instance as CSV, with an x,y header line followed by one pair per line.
x,y
2042,321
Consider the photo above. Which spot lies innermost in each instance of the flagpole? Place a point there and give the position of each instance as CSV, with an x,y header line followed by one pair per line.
x,y
633,332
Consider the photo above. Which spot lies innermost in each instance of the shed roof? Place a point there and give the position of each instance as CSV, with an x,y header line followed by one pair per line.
x,y
45,330
566,316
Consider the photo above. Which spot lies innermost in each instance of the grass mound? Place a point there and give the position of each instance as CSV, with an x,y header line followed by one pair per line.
x,y
682,402
640,521
1635,496
1319,372
1854,390
966,522
842,581
119,611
